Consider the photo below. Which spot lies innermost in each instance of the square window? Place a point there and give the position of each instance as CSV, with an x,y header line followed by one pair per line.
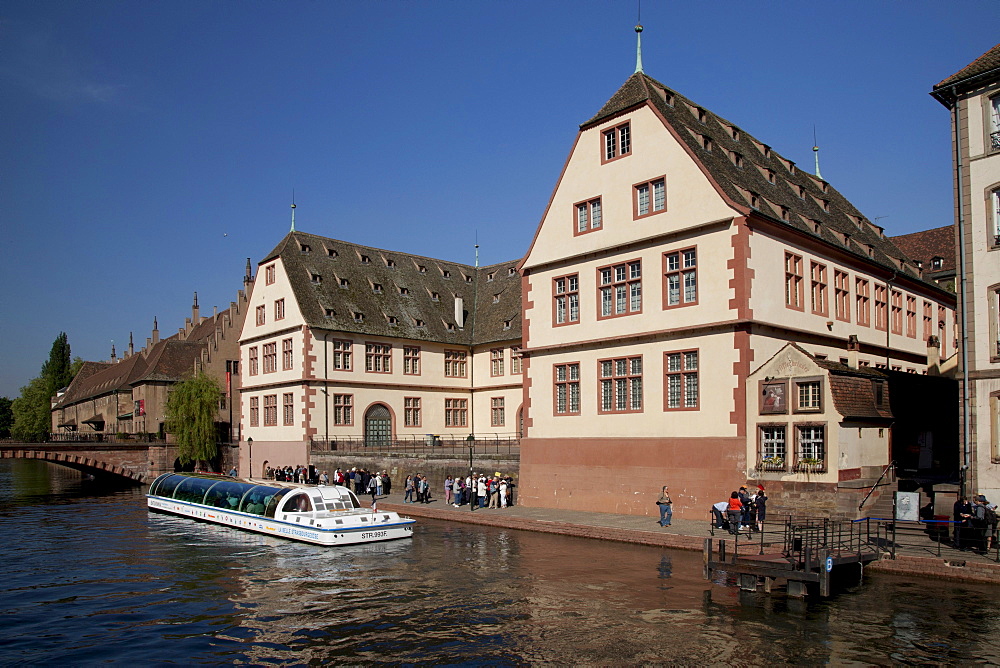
x,y
649,198
617,142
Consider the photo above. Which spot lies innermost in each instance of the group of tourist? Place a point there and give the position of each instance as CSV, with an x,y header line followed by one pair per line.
x,y
298,474
743,511
480,490
975,524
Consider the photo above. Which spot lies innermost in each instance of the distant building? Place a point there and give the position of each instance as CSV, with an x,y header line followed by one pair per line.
x,y
933,251
128,396
972,95
349,343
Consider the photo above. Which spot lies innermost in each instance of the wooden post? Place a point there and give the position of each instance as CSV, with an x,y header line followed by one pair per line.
x,y
825,569
707,558
722,551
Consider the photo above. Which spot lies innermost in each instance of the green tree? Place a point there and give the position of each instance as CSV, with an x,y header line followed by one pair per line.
x,y
191,410
6,417
32,412
58,369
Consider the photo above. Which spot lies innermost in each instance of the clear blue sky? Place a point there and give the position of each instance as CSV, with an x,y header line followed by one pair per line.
x,y
148,148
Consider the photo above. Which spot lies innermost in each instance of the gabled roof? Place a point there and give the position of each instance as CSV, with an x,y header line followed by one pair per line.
x,y
112,378
929,244
975,73
333,283
763,182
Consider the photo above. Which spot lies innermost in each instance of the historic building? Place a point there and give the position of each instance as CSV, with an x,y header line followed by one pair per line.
x,y
352,343
676,255
972,95
128,396
934,252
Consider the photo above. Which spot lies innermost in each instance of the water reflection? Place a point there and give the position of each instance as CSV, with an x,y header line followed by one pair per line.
x,y
91,576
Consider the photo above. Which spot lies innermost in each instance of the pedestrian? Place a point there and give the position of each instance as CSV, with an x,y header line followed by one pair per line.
x,y
504,489
448,485
379,483
232,472
425,489
961,512
745,500
324,479
408,487
373,488
761,503
481,489
665,504
734,512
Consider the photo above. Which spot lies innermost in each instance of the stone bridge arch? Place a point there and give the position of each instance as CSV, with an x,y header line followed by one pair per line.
x,y
139,463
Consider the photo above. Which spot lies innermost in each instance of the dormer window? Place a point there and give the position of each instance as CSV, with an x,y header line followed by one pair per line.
x,y
305,248
511,271
767,151
390,263
496,299
700,114
769,174
489,276
737,159
706,142
344,283
422,269
330,252
359,317
330,313
468,279
377,288
754,201
445,273
450,326
316,279
435,297
734,133
365,259
937,262
391,319
784,213
418,322
404,291
506,324
801,191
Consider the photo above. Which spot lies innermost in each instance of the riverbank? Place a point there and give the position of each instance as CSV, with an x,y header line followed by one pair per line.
x,y
917,559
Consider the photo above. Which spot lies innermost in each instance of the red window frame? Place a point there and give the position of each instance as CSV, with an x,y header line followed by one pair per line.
x,y
565,289
650,185
793,282
616,142
613,280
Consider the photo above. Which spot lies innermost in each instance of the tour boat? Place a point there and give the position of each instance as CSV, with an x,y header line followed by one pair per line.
x,y
323,515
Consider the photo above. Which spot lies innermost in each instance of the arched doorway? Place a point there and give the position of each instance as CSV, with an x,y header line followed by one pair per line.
x,y
378,426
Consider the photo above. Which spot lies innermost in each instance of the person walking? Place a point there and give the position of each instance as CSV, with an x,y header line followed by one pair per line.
x,y
408,486
448,485
665,504
761,502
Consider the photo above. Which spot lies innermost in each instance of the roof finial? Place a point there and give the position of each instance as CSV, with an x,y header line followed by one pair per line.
x,y
816,153
293,210
477,249
638,48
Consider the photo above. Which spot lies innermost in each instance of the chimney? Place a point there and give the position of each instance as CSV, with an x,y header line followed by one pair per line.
x,y
114,357
933,356
853,347
195,319
248,277
459,312
156,332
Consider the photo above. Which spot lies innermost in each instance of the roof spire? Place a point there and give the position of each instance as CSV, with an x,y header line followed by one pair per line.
x,y
816,153
293,210
638,48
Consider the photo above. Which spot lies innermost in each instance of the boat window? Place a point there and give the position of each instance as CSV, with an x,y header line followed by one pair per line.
x,y
226,495
299,503
271,502
354,499
193,490
167,485
153,489
255,501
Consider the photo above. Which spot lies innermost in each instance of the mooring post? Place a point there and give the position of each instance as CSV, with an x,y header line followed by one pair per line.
x,y
707,557
825,569
722,551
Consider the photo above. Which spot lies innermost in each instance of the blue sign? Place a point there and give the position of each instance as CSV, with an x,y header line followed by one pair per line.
x,y
829,564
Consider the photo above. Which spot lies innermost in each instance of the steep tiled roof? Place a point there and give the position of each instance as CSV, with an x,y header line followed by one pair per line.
x,y
929,244
397,294
170,360
985,63
854,392
756,178
113,377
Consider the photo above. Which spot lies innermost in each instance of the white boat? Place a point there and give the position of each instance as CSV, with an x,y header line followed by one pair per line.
x,y
323,515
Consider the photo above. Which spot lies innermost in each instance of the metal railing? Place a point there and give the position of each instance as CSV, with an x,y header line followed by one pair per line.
x,y
500,444
890,467
104,438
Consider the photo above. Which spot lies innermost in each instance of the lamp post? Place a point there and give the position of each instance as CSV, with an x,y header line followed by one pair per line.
x,y
250,458
471,440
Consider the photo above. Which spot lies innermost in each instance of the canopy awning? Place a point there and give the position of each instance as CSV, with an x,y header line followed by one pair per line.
x,y
125,416
67,425
97,419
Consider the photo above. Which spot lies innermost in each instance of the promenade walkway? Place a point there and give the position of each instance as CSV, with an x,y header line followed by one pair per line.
x,y
916,553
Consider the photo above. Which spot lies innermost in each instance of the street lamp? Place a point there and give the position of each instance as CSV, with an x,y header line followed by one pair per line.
x,y
471,440
250,458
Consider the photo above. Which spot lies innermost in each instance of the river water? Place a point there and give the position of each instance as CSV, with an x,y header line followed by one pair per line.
x,y
90,577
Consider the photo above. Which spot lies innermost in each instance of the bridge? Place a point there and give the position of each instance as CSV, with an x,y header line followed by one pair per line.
x,y
133,460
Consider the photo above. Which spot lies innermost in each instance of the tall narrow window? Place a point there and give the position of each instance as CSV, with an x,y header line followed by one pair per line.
x,y
819,295
772,448
496,362
343,410
378,358
620,385
341,355
270,357
411,411
811,450
254,411
515,359
269,274
942,328
681,391
617,142
994,239
793,281
411,360
842,295
680,282
456,412
260,314
497,417
995,123
252,360
286,354
566,297
279,309
288,413
588,216
863,297
620,289
567,388
270,410
928,320
454,363
649,197
881,306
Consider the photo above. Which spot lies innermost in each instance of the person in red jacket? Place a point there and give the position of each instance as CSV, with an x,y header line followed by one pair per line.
x,y
734,512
